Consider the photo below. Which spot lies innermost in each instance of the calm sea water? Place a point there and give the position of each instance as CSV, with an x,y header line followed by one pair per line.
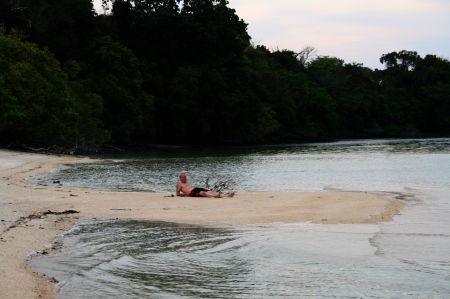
x,y
406,258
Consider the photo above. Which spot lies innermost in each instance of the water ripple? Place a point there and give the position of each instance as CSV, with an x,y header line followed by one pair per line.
x,y
133,259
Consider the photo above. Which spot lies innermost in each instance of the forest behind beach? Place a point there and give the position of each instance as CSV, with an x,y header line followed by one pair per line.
x,y
186,72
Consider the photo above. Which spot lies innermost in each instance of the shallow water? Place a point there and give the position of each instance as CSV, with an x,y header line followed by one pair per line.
x,y
406,258
128,259
385,165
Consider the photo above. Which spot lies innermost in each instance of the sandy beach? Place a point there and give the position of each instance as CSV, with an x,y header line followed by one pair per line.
x,y
22,235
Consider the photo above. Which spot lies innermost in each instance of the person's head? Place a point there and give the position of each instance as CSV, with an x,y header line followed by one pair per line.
x,y
183,177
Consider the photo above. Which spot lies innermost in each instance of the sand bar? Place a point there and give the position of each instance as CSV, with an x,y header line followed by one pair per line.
x,y
21,236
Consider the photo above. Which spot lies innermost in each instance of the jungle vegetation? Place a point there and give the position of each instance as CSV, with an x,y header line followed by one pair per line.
x,y
186,72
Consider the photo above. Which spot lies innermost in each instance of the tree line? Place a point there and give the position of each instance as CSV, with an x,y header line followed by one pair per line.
x,y
186,72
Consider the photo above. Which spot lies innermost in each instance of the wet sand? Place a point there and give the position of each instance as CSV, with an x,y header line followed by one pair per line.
x,y
21,235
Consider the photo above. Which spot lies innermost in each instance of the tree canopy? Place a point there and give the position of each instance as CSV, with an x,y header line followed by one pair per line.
x,y
173,71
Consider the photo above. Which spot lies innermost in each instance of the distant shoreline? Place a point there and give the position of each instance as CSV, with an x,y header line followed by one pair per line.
x,y
120,148
23,234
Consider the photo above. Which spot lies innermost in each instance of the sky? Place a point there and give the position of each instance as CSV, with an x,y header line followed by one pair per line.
x,y
354,30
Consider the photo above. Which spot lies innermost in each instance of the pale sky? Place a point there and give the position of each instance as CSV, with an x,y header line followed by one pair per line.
x,y
353,30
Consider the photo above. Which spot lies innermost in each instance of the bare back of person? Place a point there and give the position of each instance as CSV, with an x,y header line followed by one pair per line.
x,y
183,189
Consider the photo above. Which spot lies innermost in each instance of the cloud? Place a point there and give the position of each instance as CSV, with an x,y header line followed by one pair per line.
x,y
265,9
356,30
98,5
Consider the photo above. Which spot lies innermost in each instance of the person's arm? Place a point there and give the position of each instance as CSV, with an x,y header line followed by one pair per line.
x,y
178,191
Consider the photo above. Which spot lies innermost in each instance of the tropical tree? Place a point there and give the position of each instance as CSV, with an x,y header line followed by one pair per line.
x,y
35,101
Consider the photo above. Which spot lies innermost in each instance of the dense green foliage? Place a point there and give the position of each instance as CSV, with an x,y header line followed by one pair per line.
x,y
34,94
173,71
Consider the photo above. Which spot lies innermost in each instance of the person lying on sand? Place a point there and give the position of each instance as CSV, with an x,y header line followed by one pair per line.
x,y
185,189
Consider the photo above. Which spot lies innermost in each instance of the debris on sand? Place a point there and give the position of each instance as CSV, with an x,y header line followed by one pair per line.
x,y
65,212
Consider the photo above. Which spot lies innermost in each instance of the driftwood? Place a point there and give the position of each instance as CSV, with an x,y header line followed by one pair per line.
x,y
35,215
54,149
61,213
219,185
40,149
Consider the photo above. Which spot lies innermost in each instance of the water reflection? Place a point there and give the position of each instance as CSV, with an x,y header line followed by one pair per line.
x,y
364,165
130,259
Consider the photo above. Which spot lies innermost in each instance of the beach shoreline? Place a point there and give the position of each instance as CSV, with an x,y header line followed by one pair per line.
x,y
24,230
